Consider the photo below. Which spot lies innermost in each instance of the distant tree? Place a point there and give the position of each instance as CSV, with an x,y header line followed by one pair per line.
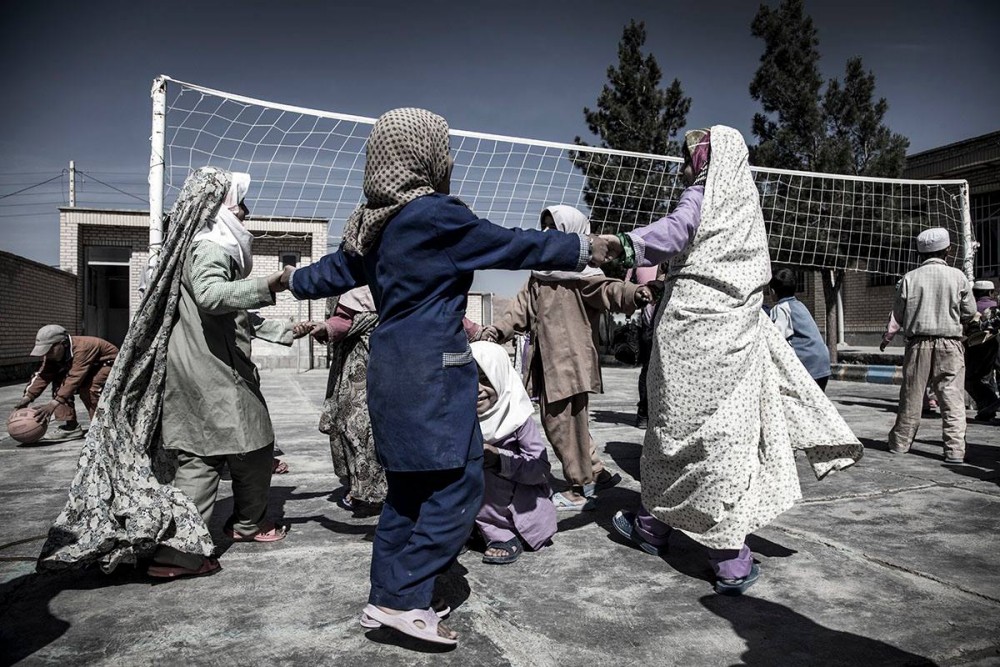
x,y
633,114
787,84
859,142
838,131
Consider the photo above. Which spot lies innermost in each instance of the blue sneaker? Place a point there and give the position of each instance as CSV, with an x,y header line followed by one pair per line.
x,y
624,523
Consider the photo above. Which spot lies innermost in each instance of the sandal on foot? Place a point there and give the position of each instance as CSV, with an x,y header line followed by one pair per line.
x,y
440,607
624,523
268,532
417,623
737,586
160,571
279,467
512,547
564,504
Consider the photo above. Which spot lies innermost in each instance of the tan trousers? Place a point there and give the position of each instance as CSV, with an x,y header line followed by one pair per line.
x,y
567,426
198,477
940,364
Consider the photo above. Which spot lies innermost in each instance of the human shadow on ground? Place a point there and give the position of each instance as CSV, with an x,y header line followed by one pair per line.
x,y
626,456
777,635
614,417
279,497
27,623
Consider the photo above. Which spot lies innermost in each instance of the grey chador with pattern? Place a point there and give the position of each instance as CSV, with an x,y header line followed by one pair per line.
x,y
729,402
397,171
121,504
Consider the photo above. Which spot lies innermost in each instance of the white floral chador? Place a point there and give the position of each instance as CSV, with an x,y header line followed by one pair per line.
x,y
729,402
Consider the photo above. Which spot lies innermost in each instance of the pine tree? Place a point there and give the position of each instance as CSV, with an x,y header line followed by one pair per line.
x,y
633,114
839,131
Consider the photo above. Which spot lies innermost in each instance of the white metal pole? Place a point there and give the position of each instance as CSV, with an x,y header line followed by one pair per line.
x,y
157,143
72,183
969,245
840,317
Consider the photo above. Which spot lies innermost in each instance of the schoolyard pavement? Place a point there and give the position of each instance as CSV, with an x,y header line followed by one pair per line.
x,y
893,562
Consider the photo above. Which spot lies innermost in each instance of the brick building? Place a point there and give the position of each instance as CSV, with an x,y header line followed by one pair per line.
x,y
107,250
31,296
867,298
104,253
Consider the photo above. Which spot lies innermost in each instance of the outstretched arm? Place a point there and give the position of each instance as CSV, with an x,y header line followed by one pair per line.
x,y
332,275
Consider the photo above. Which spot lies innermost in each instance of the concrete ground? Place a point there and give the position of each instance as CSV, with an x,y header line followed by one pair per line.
x,y
894,562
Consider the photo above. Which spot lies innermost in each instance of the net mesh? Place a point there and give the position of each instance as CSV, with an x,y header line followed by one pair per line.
x,y
310,164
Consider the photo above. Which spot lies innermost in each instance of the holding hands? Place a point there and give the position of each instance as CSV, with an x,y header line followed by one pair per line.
x,y
278,281
489,334
604,248
315,329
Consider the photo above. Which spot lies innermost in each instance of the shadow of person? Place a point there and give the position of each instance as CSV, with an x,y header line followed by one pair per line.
x,y
982,463
776,635
614,417
626,456
27,623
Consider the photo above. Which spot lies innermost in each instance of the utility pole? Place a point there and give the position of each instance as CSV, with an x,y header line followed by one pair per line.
x,y
72,183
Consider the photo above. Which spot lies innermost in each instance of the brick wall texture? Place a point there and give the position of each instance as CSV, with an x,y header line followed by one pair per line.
x,y
31,296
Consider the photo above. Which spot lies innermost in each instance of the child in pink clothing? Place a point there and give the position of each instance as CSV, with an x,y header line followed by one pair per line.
x,y
517,510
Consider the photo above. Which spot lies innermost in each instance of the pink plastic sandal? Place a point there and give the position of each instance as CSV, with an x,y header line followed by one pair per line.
x,y
269,532
410,622
440,607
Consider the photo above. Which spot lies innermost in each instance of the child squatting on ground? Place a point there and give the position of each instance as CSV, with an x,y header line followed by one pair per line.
x,y
516,506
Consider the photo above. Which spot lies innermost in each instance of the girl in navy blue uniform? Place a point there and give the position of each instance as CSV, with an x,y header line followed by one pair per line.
x,y
417,249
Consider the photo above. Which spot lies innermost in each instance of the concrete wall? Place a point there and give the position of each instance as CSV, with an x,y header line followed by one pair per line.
x,y
31,296
306,238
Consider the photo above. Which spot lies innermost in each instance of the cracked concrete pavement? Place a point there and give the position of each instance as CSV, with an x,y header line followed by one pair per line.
x,y
894,562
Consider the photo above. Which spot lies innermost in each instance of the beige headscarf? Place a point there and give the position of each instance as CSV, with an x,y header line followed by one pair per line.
x,y
571,221
226,230
407,155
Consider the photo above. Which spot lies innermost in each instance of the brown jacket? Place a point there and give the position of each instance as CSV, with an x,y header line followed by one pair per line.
x,y
563,320
86,355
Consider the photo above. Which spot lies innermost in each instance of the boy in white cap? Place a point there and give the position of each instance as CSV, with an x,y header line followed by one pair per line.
x,y
981,349
932,302
72,365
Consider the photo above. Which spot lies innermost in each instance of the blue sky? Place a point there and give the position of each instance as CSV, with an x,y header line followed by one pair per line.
x,y
78,74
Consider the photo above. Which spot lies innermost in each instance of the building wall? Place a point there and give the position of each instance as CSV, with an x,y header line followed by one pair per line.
x,y
80,228
31,296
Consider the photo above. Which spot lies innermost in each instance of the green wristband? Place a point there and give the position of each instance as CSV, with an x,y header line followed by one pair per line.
x,y
628,250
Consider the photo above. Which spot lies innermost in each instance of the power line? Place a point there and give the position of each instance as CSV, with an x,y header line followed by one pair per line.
x,y
108,185
17,192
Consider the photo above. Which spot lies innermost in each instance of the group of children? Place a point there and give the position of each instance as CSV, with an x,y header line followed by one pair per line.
x,y
451,423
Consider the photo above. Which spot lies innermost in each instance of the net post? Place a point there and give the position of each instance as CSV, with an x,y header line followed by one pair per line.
x,y
157,143
969,244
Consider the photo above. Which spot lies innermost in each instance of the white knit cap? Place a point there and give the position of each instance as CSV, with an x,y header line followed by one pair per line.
x,y
933,240
983,284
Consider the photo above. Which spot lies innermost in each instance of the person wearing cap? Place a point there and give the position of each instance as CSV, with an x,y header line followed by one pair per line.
x,y
981,353
71,365
932,301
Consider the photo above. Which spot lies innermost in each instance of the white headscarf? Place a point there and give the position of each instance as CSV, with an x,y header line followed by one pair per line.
x,y
570,220
513,407
226,230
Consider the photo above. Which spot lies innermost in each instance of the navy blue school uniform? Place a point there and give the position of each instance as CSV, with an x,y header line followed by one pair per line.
x,y
422,382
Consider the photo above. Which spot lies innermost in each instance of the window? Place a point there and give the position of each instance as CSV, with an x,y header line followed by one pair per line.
x,y
289,259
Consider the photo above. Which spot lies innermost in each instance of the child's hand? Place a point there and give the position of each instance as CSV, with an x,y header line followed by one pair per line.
x,y
489,334
491,457
644,295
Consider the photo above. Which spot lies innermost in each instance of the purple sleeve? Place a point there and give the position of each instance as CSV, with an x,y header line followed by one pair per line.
x,y
657,242
530,464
